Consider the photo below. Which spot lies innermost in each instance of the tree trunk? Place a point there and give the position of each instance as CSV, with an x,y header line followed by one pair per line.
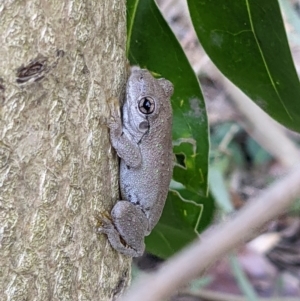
x,y
62,66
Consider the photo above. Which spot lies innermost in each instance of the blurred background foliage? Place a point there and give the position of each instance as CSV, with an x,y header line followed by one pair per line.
x,y
225,59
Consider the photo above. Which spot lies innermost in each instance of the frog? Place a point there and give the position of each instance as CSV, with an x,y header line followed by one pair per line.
x,y
142,138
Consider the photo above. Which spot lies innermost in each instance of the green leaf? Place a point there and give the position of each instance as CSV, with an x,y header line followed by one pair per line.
x,y
219,189
152,45
226,132
180,223
246,40
259,156
242,280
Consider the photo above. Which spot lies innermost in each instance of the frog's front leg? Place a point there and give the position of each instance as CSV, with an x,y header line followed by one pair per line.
x,y
127,224
126,228
125,147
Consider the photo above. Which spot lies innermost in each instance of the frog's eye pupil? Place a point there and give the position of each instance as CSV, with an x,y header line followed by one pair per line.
x,y
146,105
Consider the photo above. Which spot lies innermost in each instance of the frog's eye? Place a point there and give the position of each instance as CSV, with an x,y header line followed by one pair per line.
x,y
146,105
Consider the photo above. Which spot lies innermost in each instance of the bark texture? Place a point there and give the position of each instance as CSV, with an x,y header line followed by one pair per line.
x,y
62,66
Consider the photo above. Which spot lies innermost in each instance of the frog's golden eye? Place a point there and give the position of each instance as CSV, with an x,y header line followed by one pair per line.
x,y
146,105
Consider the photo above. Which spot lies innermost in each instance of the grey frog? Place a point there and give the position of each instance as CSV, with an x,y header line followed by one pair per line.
x,y
144,143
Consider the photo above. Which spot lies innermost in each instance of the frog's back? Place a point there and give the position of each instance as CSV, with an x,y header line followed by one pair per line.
x,y
148,184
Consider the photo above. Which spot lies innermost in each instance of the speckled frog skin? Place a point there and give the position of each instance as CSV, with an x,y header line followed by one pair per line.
x,y
143,141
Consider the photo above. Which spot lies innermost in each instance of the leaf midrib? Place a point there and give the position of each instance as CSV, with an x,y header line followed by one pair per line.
x,y
131,25
264,60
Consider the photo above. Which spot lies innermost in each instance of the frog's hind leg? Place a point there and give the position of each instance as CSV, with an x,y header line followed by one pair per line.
x,y
126,229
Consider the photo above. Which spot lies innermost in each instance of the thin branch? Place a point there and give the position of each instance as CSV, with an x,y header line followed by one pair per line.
x,y
265,130
217,241
258,124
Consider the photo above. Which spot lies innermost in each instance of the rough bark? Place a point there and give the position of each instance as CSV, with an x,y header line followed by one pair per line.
x,y
62,65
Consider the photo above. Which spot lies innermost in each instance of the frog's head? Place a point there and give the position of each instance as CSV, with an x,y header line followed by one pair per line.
x,y
146,99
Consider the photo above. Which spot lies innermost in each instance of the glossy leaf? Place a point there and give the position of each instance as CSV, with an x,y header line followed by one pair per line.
x,y
152,45
246,40
180,223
